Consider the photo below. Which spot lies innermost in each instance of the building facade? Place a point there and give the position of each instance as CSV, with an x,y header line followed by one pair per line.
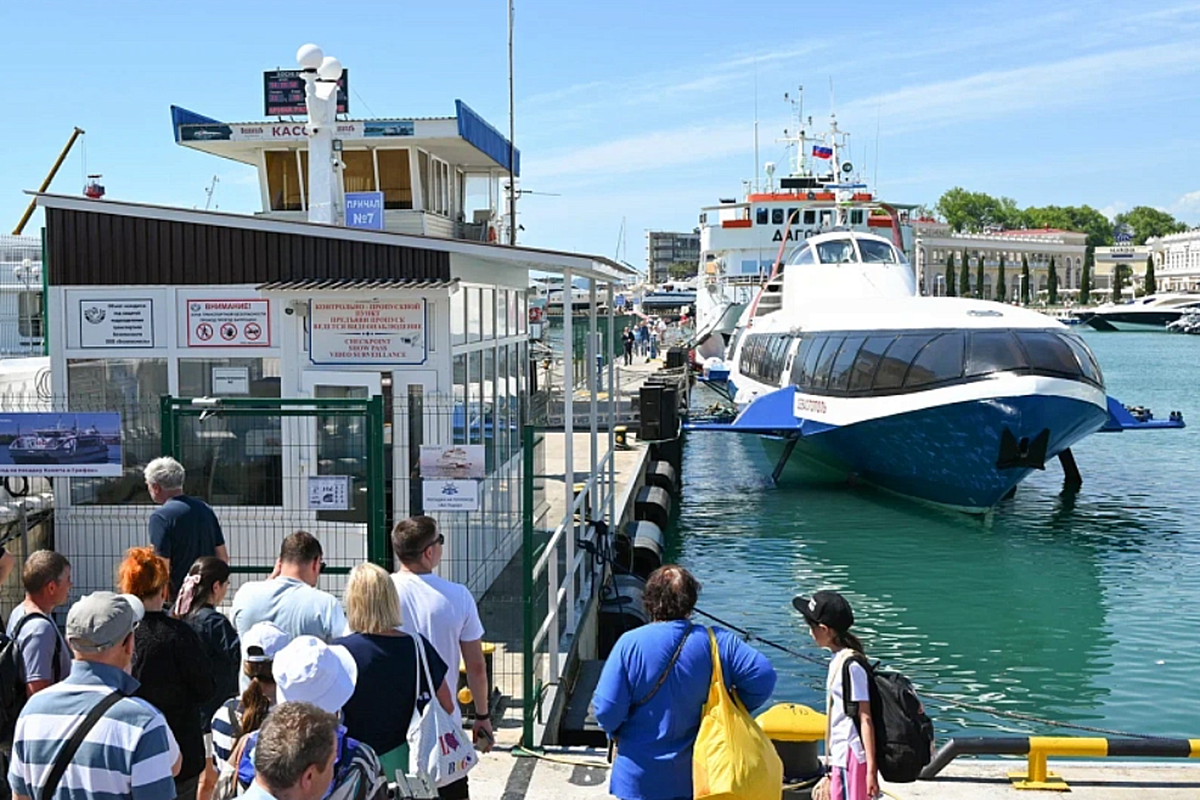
x,y
935,242
1177,261
664,248
1131,258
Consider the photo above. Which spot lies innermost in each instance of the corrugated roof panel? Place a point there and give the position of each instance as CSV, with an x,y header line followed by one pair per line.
x,y
483,137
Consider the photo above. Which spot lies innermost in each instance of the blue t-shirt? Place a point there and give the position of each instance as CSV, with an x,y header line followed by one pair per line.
x,y
183,529
381,708
654,751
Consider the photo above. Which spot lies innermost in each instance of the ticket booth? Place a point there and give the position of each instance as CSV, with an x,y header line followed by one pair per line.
x,y
245,318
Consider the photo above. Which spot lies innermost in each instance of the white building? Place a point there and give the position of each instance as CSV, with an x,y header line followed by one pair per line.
x,y
1177,261
935,242
1133,259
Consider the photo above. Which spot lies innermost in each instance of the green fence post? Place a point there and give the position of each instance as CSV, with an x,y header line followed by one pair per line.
x,y
529,704
167,426
377,535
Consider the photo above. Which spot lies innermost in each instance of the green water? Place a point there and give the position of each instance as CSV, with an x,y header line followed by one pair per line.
x,y
1084,609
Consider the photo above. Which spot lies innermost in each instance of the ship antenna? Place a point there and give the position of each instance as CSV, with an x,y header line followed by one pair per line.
x,y
756,184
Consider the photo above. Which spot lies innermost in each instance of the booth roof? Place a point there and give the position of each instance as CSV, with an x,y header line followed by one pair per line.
x,y
556,262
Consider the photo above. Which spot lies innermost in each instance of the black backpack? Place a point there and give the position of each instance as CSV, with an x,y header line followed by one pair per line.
x,y
12,675
903,732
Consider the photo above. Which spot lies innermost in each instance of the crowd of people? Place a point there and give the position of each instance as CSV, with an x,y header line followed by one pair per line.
x,y
155,693
644,339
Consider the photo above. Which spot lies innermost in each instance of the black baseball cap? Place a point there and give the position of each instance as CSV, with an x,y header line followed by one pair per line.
x,y
826,608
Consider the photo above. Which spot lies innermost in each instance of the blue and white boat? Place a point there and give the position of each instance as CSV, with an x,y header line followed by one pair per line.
x,y
945,400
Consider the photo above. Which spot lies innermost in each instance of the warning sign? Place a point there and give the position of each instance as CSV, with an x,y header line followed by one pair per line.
x,y
229,323
342,332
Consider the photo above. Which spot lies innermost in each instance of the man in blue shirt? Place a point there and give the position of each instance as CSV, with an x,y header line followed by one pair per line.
x,y
130,752
295,754
183,528
655,683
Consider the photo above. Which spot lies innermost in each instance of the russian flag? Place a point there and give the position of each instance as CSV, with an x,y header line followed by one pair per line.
x,y
822,152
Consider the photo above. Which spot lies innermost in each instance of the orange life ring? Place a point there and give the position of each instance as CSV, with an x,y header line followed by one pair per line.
x,y
535,314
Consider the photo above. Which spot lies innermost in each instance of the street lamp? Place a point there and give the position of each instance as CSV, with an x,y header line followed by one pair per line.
x,y
321,74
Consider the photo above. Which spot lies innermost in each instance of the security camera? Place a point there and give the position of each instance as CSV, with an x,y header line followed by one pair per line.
x,y
289,311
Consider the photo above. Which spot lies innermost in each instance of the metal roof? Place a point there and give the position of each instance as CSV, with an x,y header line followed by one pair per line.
x,y
355,284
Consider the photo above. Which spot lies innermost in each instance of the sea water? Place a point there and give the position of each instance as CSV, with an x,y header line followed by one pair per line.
x,y
1082,608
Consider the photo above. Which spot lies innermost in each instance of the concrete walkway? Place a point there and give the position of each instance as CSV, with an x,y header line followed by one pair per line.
x,y
502,775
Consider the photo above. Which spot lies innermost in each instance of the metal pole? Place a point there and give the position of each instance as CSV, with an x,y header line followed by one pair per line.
x,y
512,171
377,535
46,183
613,399
569,444
528,705
593,350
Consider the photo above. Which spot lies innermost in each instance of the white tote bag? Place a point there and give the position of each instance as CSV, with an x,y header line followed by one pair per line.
x,y
438,750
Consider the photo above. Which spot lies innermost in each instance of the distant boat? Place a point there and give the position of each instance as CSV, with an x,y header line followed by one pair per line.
x,y
1151,313
59,445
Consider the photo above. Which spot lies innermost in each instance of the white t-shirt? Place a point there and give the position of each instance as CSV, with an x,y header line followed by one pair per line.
x,y
842,732
443,612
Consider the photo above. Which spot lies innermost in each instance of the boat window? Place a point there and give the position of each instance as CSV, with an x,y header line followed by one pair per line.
x,y
856,218
1048,353
940,360
819,378
810,217
805,257
1091,370
811,358
839,376
993,351
806,345
838,251
869,356
876,252
826,218
776,216
894,366
793,216
760,216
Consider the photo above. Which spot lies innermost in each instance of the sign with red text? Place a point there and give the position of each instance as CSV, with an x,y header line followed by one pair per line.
x,y
228,323
347,332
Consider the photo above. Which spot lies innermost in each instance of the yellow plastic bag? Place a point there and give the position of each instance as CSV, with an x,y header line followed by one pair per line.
x,y
732,758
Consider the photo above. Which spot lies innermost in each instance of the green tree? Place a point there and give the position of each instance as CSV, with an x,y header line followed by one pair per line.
x,y
1001,291
1148,223
1151,284
950,292
973,211
979,278
964,276
1118,283
1052,284
1024,280
681,270
1084,219
1085,280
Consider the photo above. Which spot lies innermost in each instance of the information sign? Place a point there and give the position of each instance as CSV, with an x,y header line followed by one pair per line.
x,y
443,495
368,332
329,492
364,210
283,93
453,461
54,444
116,323
229,323
230,380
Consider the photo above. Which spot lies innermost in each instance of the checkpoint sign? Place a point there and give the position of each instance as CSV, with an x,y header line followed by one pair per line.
x,y
229,323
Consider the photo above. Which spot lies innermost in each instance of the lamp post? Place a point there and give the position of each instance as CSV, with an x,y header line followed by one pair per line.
x,y
321,74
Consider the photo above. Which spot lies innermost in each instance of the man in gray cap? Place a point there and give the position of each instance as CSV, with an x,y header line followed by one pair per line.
x,y
138,757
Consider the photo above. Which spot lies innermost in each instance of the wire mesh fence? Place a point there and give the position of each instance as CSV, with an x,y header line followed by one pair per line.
x,y
22,305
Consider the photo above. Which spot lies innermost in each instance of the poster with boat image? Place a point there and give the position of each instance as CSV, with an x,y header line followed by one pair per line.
x,y
452,462
60,444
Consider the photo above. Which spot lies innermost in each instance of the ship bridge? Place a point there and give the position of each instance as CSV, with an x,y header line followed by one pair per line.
x,y
421,165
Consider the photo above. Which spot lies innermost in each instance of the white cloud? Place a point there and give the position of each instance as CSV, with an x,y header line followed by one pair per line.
x,y
1188,202
1116,207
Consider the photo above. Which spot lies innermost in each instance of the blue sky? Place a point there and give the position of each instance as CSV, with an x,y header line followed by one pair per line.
x,y
636,111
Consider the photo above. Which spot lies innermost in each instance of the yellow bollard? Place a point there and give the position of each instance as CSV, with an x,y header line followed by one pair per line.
x,y
1038,776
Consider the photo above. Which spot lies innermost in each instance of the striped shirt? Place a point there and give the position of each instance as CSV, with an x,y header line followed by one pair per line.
x,y
128,754
226,729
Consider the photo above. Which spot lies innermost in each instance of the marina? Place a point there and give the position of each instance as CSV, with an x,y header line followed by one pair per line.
x,y
404,331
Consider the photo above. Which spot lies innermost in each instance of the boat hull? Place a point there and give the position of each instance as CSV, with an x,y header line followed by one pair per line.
x,y
1140,321
948,454
79,456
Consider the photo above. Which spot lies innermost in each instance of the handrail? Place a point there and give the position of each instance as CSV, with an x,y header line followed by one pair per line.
x,y
568,519
1037,748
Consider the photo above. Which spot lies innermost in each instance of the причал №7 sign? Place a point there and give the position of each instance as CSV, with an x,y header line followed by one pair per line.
x,y
369,332
364,210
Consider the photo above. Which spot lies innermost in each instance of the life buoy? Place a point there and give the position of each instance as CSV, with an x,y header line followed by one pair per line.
x,y
535,314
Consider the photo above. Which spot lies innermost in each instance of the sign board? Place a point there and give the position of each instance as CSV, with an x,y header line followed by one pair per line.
x,y
60,444
452,461
112,323
329,492
388,127
283,93
368,332
364,210
442,495
229,323
292,131
230,380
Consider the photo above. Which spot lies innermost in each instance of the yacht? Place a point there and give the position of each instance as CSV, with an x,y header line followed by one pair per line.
x,y
951,401
1151,313
59,445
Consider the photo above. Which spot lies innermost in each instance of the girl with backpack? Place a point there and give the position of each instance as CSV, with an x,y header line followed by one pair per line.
x,y
849,747
241,715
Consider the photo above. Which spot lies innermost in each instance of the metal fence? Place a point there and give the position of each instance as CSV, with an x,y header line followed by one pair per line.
x,y
22,297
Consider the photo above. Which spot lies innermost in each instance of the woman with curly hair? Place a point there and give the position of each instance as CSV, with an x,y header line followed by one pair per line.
x,y
169,662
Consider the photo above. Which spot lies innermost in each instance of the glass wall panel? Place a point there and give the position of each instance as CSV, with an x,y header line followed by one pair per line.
x,y
487,308
283,180
395,178
474,324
